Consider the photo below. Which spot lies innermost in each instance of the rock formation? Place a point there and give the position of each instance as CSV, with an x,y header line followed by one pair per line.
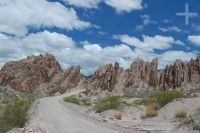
x,y
105,78
72,79
40,74
43,75
143,78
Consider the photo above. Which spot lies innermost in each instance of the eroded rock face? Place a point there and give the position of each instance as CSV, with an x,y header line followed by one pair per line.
x,y
105,78
143,78
40,74
141,71
43,75
181,75
72,79
28,74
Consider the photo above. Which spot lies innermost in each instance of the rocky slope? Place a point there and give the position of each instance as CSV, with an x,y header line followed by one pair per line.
x,y
39,74
142,77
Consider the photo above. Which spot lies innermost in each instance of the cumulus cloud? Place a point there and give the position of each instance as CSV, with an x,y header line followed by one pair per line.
x,y
125,5
84,3
170,56
148,43
15,48
195,39
90,56
119,5
16,16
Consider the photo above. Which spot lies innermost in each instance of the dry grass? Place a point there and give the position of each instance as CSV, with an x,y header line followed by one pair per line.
x,y
118,116
151,111
181,114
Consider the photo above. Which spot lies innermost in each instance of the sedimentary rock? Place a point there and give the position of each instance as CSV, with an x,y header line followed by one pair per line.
x,y
143,78
105,78
28,74
43,75
72,79
40,74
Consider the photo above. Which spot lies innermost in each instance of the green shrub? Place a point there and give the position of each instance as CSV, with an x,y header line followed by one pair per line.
x,y
15,114
184,121
78,101
162,98
107,103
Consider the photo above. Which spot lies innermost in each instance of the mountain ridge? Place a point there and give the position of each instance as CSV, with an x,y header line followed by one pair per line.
x,y
43,75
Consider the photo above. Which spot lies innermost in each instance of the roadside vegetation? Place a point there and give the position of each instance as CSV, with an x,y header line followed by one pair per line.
x,y
100,105
15,114
182,118
78,100
181,114
107,103
150,111
162,98
157,100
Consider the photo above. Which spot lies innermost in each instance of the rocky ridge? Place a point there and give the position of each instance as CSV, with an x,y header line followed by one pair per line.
x,y
143,78
43,75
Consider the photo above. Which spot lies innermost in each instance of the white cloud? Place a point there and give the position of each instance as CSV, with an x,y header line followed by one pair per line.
x,y
91,55
84,3
92,47
34,43
179,42
169,57
17,15
195,40
119,5
146,21
148,43
170,29
125,5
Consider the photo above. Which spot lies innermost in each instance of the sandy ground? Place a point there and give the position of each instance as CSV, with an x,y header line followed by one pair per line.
x,y
131,121
52,115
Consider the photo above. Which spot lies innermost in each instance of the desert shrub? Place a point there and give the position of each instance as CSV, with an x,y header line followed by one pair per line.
x,y
181,114
150,111
162,98
78,100
184,121
118,116
107,103
15,114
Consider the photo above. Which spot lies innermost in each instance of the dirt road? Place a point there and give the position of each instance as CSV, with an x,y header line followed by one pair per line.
x,y
50,116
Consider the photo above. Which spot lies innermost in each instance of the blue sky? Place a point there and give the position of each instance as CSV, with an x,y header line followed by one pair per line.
x,y
94,32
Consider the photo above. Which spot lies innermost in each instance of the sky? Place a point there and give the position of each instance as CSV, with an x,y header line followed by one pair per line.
x,y
91,33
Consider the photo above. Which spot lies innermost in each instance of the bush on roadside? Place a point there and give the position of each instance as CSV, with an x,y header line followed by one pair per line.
x,y
118,116
162,98
107,103
181,114
78,100
15,114
150,111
